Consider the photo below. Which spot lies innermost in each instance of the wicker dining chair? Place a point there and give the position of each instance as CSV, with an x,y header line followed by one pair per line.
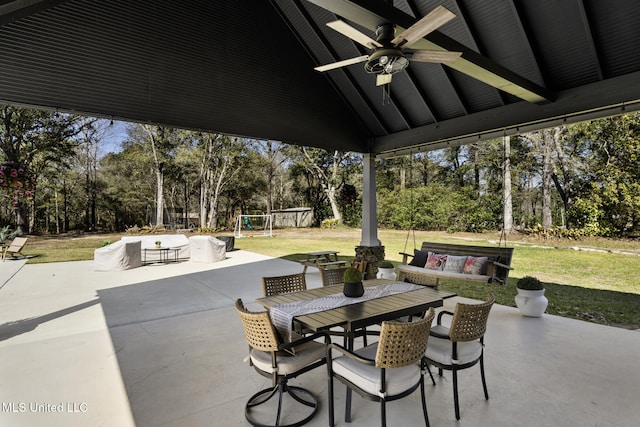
x,y
280,361
361,265
385,371
276,285
332,276
461,345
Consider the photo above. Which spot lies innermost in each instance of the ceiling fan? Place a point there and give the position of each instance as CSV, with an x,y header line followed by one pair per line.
x,y
389,53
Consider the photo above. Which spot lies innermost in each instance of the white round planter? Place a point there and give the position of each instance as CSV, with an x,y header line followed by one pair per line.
x,y
531,303
386,273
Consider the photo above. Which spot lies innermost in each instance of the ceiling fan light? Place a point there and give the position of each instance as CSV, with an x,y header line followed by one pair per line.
x,y
399,64
387,61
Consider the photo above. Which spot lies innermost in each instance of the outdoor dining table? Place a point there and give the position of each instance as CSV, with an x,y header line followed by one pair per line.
x,y
354,317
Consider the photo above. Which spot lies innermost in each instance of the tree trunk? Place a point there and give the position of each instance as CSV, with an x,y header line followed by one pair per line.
x,y
507,215
22,226
547,180
159,197
57,212
565,188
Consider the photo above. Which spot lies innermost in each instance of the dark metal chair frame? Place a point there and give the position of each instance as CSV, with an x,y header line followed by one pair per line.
x,y
261,336
468,323
411,338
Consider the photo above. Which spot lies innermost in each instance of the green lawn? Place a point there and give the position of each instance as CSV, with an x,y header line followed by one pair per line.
x,y
602,287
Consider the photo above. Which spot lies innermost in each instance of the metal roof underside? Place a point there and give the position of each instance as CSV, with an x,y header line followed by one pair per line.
x,y
246,67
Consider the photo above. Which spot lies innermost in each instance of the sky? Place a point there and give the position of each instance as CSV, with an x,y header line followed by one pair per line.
x,y
114,136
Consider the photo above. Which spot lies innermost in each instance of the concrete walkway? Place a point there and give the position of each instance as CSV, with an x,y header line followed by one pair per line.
x,y
161,345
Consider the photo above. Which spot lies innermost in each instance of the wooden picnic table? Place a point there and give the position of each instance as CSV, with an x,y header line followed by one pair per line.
x,y
321,260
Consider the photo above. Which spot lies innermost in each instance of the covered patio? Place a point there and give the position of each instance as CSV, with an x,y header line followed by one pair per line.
x,y
162,345
226,67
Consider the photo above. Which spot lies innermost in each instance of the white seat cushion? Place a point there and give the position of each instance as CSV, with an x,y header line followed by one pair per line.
x,y
439,350
367,377
306,354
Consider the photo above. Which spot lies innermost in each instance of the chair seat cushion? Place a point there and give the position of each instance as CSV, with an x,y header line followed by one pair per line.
x,y
367,377
305,354
439,349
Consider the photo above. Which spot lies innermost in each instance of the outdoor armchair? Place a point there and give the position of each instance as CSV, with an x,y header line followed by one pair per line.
x,y
280,361
385,371
461,345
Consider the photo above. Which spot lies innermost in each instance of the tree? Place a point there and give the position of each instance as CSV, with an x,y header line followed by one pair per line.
x,y
34,139
326,170
608,191
274,160
220,159
546,140
507,200
162,143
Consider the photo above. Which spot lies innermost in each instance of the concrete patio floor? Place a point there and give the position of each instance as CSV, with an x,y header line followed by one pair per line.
x,y
161,345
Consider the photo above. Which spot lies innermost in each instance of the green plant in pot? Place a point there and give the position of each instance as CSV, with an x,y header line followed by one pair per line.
x,y
386,270
353,287
530,299
529,283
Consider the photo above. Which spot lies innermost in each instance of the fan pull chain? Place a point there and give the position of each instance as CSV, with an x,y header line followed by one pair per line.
x,y
386,94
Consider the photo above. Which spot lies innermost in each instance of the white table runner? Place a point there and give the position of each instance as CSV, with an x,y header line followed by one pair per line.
x,y
282,315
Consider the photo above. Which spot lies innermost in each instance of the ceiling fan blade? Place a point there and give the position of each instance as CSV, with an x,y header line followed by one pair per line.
x,y
438,56
355,35
432,21
343,63
383,79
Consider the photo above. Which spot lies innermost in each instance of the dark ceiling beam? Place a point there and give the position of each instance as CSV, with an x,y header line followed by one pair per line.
x,y
12,10
371,13
464,105
347,75
532,50
614,96
589,33
526,38
423,96
478,46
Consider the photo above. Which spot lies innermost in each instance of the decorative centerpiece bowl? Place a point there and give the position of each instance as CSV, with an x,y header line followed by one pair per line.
x,y
353,287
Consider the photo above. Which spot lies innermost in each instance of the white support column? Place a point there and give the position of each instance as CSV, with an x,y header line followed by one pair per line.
x,y
369,213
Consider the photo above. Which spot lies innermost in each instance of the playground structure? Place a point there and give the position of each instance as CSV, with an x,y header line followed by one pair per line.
x,y
253,226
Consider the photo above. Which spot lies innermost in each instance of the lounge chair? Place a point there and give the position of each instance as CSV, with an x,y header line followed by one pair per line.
x,y
15,248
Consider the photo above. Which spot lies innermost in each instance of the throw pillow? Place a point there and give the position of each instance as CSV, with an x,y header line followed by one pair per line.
x,y
455,264
476,265
419,258
436,261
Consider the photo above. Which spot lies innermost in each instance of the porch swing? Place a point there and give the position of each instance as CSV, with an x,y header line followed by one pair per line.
x,y
411,231
494,262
